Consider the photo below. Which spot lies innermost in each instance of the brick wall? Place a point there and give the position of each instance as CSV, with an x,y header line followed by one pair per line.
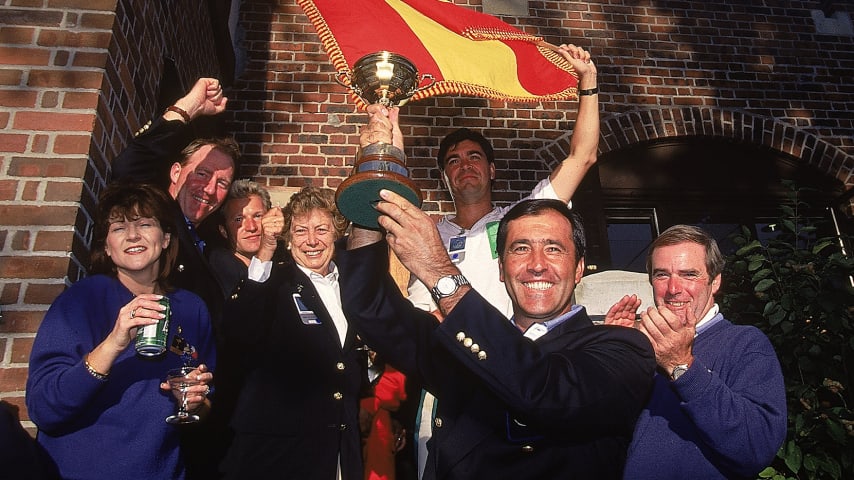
x,y
78,78
758,74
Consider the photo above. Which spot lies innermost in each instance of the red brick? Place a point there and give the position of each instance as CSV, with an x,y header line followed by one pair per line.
x,y
13,142
71,144
64,79
17,35
63,191
30,191
33,56
28,215
13,379
21,321
21,240
69,39
53,121
90,59
52,241
47,167
21,347
42,294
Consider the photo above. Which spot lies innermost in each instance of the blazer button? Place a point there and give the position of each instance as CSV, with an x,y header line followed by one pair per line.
x,y
528,449
437,422
337,395
481,355
181,267
468,342
339,365
342,427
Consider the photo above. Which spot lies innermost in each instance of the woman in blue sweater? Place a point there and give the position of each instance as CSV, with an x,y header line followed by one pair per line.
x,y
99,406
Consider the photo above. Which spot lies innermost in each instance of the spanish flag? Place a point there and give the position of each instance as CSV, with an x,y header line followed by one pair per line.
x,y
466,52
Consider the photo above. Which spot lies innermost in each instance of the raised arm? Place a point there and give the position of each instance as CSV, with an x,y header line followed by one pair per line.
x,y
585,136
150,153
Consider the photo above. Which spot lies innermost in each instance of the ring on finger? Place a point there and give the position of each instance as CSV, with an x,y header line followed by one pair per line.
x,y
207,390
133,313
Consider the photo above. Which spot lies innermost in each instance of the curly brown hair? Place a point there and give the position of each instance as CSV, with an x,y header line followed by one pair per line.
x,y
311,198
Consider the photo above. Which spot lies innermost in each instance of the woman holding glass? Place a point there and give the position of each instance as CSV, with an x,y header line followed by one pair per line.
x,y
100,407
297,412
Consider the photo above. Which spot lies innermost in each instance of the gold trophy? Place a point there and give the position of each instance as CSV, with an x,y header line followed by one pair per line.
x,y
389,79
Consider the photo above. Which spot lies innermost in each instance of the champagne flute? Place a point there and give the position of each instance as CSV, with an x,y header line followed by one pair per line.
x,y
180,380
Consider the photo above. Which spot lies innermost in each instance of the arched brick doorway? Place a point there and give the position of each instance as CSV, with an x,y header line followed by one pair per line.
x,y
718,169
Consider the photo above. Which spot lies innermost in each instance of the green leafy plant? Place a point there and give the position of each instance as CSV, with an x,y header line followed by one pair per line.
x,y
798,289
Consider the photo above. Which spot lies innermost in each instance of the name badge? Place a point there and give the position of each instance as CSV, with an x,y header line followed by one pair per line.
x,y
305,314
456,249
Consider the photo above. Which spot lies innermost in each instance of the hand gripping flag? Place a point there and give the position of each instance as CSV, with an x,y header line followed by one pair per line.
x,y
466,52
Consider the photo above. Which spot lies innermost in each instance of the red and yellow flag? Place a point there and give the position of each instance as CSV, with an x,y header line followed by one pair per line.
x,y
466,52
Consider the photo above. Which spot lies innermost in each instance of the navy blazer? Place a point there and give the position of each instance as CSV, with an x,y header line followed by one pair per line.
x,y
299,403
561,407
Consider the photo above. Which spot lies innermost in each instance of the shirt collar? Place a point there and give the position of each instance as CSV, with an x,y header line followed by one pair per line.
x,y
539,329
706,321
332,276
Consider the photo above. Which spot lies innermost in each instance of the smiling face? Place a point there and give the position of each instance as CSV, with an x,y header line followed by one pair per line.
x,y
539,267
201,184
680,280
468,173
312,240
135,246
243,224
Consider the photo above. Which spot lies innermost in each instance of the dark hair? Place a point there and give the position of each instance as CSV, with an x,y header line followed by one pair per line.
x,y
457,136
689,234
130,201
537,207
308,199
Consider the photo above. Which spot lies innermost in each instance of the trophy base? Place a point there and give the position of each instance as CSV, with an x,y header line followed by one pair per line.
x,y
357,195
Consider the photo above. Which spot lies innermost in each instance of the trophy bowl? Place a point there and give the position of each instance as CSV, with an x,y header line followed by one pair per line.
x,y
388,79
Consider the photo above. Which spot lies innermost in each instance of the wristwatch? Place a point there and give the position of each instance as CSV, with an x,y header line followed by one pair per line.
x,y
447,286
678,370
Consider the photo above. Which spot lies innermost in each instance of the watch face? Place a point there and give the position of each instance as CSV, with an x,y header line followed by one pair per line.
x,y
446,286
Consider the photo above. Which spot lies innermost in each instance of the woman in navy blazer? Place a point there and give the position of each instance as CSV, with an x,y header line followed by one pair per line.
x,y
297,412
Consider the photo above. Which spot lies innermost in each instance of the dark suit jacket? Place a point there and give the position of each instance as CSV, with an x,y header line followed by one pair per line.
x,y
561,407
298,408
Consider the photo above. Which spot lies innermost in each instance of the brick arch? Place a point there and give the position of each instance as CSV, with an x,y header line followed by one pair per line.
x,y
623,130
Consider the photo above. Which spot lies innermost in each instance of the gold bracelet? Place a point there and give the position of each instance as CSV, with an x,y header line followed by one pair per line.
x,y
98,375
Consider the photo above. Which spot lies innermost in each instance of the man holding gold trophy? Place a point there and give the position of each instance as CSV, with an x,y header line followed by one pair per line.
x,y
466,162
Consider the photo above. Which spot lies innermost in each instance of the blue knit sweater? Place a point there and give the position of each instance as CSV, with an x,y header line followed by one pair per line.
x,y
114,428
724,418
